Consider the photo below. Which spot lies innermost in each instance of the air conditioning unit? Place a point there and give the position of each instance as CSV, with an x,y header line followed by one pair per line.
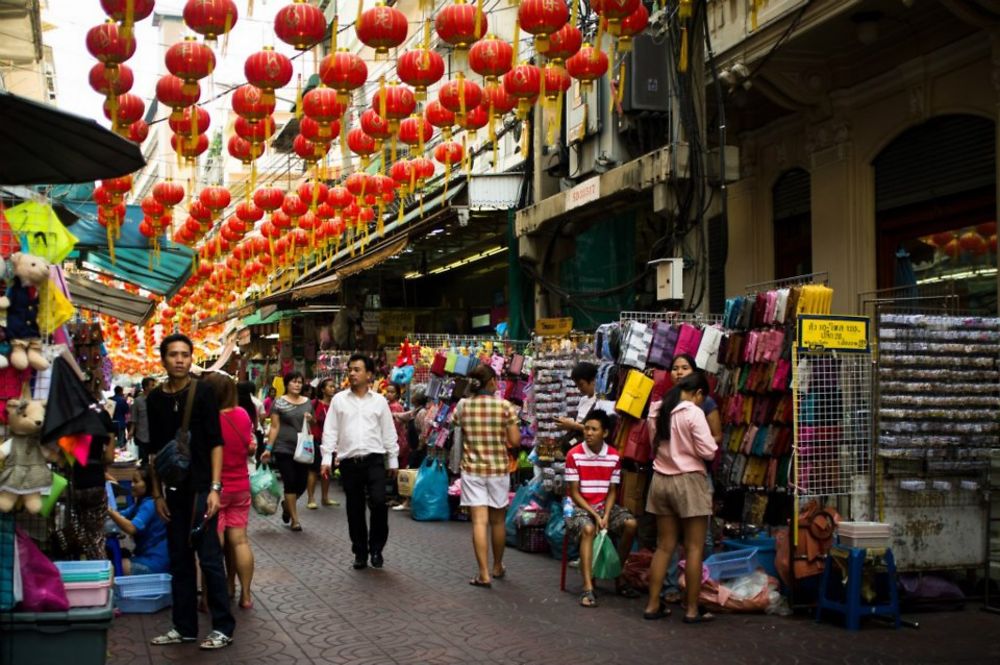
x,y
648,76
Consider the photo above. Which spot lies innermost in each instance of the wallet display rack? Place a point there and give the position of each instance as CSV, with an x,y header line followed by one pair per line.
x,y
475,343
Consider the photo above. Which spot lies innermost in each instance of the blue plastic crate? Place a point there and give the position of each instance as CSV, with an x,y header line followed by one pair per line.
x,y
142,586
84,571
143,604
726,565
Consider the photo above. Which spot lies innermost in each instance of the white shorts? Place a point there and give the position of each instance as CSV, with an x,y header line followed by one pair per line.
x,y
492,491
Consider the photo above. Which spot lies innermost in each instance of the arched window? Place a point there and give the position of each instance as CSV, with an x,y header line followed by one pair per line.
x,y
935,204
792,224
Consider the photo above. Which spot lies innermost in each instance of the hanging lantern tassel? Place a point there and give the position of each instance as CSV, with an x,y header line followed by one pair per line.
x,y
479,19
225,39
113,105
380,224
129,20
684,12
466,160
111,241
253,180
447,174
517,41
583,125
493,138
755,6
461,95
621,85
344,156
249,8
298,99
525,137
574,12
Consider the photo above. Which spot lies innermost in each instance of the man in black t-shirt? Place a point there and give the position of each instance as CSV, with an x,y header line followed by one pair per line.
x,y
190,511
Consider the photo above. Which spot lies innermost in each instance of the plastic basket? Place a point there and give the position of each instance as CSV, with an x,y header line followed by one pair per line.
x,y
865,534
532,539
143,604
142,586
84,571
726,565
88,594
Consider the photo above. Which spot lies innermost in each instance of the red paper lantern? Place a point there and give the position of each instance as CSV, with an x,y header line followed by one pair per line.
x,y
375,125
146,228
440,117
300,24
397,100
215,198
254,132
475,119
309,151
313,191
189,147
415,130
423,168
420,68
358,184
171,91
942,239
993,243
460,95
383,186
268,70
251,102
952,248
496,99
491,58
321,104
339,197
541,18
151,207
556,81
403,175
108,81
322,132
614,12
460,24
200,212
168,192
382,28
344,72
631,26
130,108
249,212
243,150
360,143
138,131
210,18
587,66
986,228
109,46
105,197
325,211
523,83
190,60
973,243
564,43
449,153
118,9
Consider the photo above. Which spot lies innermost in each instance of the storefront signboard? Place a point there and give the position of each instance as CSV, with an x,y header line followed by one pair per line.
x,y
553,327
833,333
586,192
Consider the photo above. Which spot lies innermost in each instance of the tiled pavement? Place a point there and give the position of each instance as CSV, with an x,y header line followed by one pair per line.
x,y
311,607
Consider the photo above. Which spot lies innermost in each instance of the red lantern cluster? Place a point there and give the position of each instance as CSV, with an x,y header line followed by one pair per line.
x,y
112,46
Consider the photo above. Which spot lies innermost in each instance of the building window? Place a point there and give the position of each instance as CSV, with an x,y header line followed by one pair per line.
x,y
792,224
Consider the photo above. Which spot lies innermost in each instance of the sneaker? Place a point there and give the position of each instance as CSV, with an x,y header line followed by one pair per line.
x,y
377,560
575,563
312,505
331,502
215,640
400,507
170,637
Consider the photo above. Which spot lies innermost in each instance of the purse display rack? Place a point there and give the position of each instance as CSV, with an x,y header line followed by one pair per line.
x,y
476,346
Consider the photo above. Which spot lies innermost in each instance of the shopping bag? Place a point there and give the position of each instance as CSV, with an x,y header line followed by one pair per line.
x,y
607,565
554,532
521,497
305,446
43,586
405,479
429,502
265,490
635,394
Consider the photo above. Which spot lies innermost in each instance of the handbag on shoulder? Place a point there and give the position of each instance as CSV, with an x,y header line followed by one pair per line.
x,y
173,462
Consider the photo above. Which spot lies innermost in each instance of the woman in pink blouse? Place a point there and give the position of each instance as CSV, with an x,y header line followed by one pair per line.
x,y
679,495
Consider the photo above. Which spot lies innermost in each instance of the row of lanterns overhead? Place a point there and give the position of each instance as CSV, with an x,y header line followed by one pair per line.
x,y
314,220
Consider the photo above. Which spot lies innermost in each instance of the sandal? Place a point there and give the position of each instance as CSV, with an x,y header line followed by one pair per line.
x,y
661,613
588,599
312,505
170,637
286,517
296,527
701,617
330,502
625,591
215,640
475,581
246,605
500,575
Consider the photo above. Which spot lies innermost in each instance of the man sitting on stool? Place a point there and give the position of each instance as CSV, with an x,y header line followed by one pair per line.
x,y
593,473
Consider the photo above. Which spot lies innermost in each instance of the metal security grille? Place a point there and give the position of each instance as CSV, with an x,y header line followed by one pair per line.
x,y
833,433
671,317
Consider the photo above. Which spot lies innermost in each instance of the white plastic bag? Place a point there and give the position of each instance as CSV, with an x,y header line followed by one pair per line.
x,y
305,447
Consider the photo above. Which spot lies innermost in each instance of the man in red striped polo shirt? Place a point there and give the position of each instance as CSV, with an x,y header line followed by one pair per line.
x,y
593,473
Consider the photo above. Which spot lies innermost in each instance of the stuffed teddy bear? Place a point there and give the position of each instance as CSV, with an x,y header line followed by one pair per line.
x,y
30,273
25,474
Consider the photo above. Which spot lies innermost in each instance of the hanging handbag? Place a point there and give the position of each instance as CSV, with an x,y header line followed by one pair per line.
x,y
173,461
635,394
636,343
661,347
305,447
516,364
449,365
438,364
688,340
462,365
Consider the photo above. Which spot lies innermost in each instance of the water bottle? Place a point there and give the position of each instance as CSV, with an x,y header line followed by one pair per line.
x,y
567,507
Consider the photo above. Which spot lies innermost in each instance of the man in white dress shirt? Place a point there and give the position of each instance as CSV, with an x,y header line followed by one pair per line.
x,y
359,434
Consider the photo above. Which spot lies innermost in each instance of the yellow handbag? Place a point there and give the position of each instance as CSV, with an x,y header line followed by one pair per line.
x,y
54,309
635,394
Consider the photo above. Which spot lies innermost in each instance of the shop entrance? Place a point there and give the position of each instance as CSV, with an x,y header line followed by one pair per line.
x,y
935,201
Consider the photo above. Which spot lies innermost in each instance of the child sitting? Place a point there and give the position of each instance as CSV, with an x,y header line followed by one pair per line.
x,y
141,522
593,473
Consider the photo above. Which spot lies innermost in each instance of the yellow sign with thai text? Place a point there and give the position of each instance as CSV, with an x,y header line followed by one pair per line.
x,y
554,327
833,333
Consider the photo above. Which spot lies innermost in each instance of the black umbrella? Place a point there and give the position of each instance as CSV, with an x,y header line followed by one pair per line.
x,y
70,409
43,145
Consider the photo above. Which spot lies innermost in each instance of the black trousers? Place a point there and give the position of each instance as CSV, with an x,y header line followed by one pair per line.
x,y
186,511
294,475
364,483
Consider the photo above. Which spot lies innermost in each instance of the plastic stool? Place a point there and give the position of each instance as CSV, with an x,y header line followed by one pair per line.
x,y
849,562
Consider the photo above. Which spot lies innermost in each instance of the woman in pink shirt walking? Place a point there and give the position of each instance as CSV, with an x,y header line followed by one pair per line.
x,y
679,494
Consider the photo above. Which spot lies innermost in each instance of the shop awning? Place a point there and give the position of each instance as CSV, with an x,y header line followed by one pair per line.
x,y
255,319
96,297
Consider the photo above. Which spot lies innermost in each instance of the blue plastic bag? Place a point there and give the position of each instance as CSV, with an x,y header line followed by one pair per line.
x,y
430,493
554,532
521,497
